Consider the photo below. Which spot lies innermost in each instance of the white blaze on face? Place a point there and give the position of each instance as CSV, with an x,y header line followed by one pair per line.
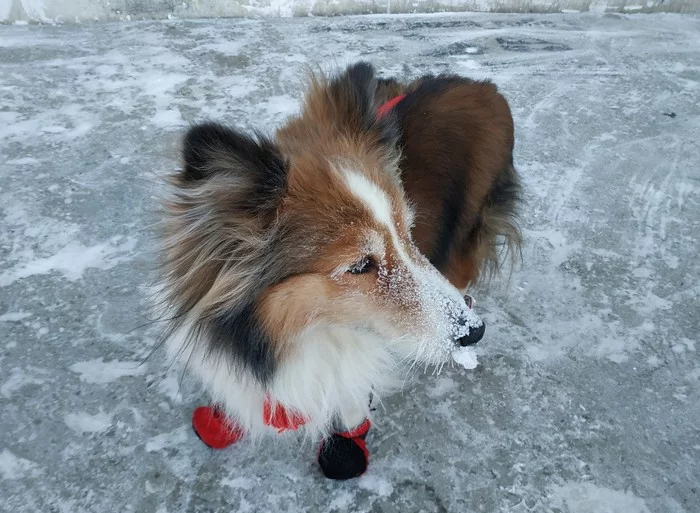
x,y
444,316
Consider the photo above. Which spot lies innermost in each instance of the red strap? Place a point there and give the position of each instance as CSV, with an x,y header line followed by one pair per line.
x,y
360,430
363,446
280,419
388,106
356,435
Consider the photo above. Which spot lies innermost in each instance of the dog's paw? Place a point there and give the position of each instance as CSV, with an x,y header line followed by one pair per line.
x,y
345,455
214,429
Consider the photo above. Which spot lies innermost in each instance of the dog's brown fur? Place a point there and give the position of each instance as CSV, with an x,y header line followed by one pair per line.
x,y
303,244
457,169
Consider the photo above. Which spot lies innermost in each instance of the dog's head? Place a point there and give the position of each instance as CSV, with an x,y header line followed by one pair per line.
x,y
267,239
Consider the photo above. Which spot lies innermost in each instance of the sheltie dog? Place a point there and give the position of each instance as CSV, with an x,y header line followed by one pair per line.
x,y
308,268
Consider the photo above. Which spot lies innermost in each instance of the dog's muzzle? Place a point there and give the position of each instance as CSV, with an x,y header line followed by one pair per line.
x,y
475,334
476,329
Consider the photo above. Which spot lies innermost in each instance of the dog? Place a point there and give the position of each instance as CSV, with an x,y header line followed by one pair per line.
x,y
302,271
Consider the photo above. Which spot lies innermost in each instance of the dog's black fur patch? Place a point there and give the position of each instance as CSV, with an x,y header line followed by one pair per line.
x,y
506,191
452,207
211,148
239,337
212,151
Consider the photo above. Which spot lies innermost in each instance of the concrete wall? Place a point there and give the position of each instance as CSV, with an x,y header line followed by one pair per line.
x,y
58,11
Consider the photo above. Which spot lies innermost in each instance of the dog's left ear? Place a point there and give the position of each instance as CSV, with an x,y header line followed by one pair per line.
x,y
254,168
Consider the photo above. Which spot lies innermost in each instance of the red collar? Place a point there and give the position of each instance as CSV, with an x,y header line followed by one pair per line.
x,y
384,110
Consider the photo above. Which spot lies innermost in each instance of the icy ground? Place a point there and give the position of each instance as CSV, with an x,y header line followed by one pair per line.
x,y
587,396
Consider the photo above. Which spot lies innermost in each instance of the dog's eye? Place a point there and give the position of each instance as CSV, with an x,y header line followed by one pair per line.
x,y
361,267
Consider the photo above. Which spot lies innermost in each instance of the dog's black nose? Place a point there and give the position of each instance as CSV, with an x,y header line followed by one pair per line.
x,y
475,334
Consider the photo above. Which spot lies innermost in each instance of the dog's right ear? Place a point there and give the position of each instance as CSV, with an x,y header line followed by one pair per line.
x,y
352,93
253,164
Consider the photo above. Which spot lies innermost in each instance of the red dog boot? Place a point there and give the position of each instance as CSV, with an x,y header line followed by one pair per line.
x,y
214,429
345,455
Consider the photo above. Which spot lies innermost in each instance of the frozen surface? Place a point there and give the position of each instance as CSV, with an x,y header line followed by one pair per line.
x,y
587,396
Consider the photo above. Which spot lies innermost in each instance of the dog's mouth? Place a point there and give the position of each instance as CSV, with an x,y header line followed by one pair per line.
x,y
469,300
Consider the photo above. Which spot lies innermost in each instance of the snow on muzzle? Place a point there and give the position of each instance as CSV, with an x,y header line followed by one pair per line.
x,y
455,320
469,328
466,328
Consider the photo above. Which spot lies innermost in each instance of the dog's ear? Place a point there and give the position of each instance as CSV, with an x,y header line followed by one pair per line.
x,y
354,96
252,166
353,93
219,240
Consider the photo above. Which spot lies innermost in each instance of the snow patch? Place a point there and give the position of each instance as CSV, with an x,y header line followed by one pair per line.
x,y
170,386
281,106
172,438
168,119
74,259
443,386
14,316
14,467
24,161
342,501
83,422
241,483
586,498
100,372
18,379
379,485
